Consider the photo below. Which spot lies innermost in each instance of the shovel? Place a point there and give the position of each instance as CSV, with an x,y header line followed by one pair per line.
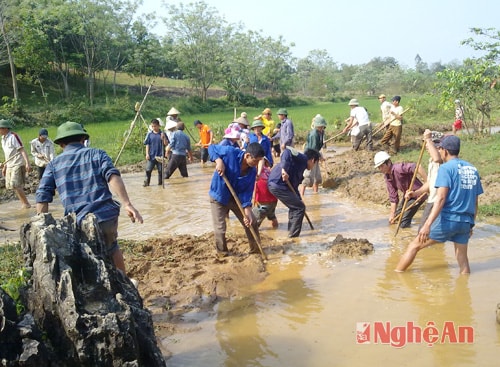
x,y
238,202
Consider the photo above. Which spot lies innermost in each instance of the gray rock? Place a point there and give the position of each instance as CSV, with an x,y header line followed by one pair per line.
x,y
89,312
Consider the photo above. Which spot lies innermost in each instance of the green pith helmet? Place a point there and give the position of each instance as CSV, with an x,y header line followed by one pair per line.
x,y
283,111
257,123
319,121
6,124
69,128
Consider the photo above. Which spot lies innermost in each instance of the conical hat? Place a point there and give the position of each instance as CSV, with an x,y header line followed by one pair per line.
x,y
173,111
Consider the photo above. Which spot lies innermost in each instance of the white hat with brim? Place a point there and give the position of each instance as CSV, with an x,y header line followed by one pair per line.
x,y
171,124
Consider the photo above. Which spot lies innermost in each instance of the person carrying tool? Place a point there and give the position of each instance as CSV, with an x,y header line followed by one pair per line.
x,y
385,108
284,181
16,163
312,178
86,180
180,145
454,212
239,167
155,141
206,139
398,176
431,139
42,150
394,126
286,132
359,122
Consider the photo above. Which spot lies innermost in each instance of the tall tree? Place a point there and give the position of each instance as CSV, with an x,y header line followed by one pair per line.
x,y
199,34
5,10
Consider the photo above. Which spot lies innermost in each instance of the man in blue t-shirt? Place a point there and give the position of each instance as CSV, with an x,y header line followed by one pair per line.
x,y
455,207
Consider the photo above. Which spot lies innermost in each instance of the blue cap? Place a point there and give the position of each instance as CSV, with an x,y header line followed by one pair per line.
x,y
451,143
43,132
396,98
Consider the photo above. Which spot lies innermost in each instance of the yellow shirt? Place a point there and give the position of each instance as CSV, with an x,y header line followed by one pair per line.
x,y
268,126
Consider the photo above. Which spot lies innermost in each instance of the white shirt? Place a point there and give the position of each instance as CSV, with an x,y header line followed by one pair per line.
x,y
360,114
45,149
385,107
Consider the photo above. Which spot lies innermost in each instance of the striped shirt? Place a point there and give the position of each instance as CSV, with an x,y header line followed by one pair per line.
x,y
81,177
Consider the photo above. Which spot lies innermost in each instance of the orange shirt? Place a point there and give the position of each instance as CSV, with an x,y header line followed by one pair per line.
x,y
205,135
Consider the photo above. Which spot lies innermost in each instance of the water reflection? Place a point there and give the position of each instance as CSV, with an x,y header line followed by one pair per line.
x,y
250,338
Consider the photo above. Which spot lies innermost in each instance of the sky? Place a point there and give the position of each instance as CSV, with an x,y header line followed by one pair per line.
x,y
356,31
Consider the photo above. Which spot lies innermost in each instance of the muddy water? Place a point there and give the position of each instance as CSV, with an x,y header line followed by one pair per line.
x,y
308,310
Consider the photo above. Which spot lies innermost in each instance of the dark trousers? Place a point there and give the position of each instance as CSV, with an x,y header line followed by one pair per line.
x,y
219,215
364,131
177,161
408,215
150,165
296,208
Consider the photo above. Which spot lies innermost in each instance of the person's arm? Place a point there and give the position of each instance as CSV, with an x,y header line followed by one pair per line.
x,y
349,125
147,152
117,186
26,160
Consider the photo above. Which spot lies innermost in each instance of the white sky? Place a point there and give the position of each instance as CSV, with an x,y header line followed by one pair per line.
x,y
356,31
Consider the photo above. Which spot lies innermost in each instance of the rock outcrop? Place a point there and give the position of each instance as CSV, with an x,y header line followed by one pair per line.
x,y
88,312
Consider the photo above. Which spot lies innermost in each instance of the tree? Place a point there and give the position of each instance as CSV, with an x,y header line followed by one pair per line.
x,y
277,71
6,38
199,34
317,73
475,83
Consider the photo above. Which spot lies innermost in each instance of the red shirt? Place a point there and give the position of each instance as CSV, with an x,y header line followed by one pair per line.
x,y
262,194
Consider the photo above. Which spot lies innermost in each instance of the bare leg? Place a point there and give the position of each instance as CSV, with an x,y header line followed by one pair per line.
x,y
315,188
118,260
302,190
411,252
22,197
462,259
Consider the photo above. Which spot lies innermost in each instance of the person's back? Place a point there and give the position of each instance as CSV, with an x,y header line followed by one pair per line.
x,y
81,177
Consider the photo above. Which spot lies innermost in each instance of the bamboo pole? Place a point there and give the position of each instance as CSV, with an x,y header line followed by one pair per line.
x,y
132,124
410,187
238,202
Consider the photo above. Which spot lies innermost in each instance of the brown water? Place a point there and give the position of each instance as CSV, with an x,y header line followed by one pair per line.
x,y
307,311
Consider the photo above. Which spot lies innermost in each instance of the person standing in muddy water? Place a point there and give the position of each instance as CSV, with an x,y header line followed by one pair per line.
x,y
155,142
206,139
454,212
360,125
239,167
313,178
286,133
290,171
16,163
431,139
398,176
42,150
394,126
180,145
86,179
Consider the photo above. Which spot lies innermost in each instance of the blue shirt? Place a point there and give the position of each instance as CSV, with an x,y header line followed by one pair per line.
x,y
293,165
155,144
81,177
242,185
464,186
286,133
180,143
266,144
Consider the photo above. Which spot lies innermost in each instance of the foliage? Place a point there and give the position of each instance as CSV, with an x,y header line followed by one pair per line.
x,y
12,276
